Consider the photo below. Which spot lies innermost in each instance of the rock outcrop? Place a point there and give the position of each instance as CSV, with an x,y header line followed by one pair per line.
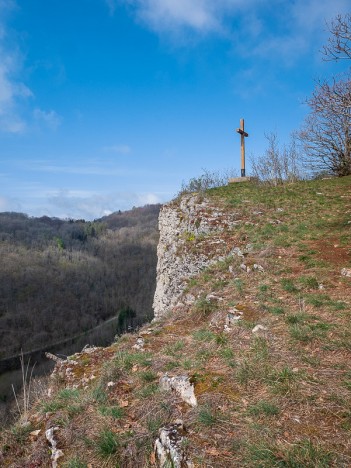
x,y
168,447
182,224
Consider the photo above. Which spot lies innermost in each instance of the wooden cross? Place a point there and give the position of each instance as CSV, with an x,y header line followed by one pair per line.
x,y
243,134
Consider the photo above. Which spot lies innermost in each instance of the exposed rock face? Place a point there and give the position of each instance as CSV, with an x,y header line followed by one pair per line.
x,y
180,225
168,447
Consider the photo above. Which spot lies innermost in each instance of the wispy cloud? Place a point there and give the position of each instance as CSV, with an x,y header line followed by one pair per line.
x,y
263,28
14,93
12,90
84,169
120,149
49,118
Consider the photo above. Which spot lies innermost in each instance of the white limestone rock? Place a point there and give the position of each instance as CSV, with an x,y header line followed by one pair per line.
x,y
182,386
346,272
169,449
233,316
55,452
139,345
236,251
259,329
175,265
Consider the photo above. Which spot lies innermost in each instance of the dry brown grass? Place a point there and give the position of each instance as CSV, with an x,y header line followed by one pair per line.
x,y
282,398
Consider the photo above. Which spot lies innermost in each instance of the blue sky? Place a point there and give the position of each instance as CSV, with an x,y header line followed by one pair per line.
x,y
109,104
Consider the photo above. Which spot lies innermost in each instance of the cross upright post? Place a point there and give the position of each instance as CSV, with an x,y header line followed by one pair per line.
x,y
243,134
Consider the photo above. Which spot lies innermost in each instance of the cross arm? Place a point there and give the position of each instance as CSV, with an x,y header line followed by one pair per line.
x,y
242,132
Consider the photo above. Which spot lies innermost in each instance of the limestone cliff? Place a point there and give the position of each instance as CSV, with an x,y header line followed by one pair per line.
x,y
183,225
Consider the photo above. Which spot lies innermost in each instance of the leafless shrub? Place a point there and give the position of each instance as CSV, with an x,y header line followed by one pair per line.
x,y
277,165
206,181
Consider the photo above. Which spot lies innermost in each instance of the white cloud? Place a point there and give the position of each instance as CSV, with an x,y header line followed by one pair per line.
x,y
120,149
49,118
200,15
73,204
263,28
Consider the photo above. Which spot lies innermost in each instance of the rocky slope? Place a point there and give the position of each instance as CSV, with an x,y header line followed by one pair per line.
x,y
247,362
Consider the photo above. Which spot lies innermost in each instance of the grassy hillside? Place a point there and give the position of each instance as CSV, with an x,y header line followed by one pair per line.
x,y
274,396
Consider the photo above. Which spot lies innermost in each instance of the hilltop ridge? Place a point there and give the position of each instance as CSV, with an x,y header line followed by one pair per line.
x,y
247,361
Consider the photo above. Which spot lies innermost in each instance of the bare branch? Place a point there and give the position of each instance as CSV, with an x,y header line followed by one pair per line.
x,y
339,43
326,134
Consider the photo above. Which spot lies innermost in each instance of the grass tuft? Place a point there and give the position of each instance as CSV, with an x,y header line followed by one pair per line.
x,y
107,443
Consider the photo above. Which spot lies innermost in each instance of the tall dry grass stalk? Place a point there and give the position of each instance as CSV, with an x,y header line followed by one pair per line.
x,y
23,406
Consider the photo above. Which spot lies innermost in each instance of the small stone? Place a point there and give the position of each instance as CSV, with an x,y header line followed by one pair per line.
x,y
258,267
243,267
139,345
211,297
346,272
35,433
89,349
237,251
110,384
189,299
232,318
259,328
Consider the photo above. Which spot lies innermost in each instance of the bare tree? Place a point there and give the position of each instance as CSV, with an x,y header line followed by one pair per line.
x,y
339,43
326,134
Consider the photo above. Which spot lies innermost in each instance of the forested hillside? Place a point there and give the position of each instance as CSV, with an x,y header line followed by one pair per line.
x,y
60,278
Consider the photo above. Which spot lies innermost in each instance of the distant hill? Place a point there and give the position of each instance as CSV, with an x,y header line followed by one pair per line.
x,y
60,277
